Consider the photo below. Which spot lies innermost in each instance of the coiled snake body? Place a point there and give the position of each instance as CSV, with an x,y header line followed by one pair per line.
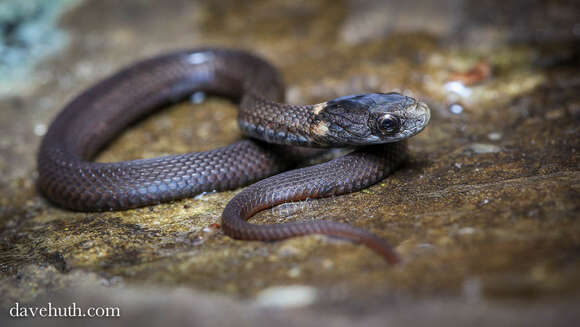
x,y
381,121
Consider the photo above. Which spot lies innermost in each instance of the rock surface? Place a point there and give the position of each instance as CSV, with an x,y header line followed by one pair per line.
x,y
485,215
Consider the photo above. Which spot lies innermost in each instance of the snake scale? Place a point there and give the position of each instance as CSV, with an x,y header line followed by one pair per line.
x,y
377,123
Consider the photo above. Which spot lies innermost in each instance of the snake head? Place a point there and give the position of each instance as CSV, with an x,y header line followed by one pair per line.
x,y
370,118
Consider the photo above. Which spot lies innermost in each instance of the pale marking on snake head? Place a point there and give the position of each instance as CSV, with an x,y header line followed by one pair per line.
x,y
317,108
320,128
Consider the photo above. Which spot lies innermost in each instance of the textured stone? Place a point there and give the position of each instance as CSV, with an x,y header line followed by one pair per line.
x,y
485,214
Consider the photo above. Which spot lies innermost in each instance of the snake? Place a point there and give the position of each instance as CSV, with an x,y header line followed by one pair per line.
x,y
276,136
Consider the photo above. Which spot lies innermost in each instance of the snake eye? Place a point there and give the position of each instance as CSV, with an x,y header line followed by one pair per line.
x,y
389,124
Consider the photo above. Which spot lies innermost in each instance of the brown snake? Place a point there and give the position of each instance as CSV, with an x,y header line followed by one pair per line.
x,y
379,123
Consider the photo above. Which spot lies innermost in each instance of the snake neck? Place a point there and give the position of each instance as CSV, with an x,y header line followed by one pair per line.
x,y
274,122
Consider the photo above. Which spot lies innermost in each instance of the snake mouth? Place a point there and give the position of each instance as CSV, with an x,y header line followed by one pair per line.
x,y
427,114
423,114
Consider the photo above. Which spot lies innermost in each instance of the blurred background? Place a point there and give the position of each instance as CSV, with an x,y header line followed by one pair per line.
x,y
485,214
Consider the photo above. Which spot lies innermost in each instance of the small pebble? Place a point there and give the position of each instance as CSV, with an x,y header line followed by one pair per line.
x,y
286,296
494,136
294,272
40,129
456,108
484,202
484,148
458,88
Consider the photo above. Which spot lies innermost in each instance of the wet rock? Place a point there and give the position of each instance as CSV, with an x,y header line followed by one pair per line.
x,y
485,211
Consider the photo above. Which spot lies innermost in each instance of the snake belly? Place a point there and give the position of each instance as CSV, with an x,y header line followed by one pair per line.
x,y
69,178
